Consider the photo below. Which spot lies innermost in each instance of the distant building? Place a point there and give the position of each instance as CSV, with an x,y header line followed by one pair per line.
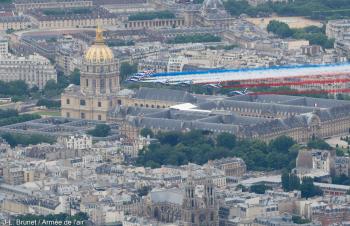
x,y
234,167
4,45
22,5
15,23
35,70
77,141
337,28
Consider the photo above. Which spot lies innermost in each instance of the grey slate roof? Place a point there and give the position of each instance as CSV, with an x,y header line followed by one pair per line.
x,y
174,196
164,95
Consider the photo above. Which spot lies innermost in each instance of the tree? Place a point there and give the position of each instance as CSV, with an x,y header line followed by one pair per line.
x,y
52,60
226,140
281,144
240,186
348,192
146,131
308,189
75,77
101,130
170,41
144,191
299,220
111,44
29,26
294,182
130,43
318,144
260,188
285,181
173,26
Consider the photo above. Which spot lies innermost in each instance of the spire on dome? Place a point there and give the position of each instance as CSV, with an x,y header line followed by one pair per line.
x,y
99,34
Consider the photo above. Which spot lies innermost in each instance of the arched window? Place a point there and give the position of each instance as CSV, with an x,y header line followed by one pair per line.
x,y
156,212
102,69
93,69
192,218
109,68
146,105
152,106
141,105
157,106
135,105
163,106
212,216
192,203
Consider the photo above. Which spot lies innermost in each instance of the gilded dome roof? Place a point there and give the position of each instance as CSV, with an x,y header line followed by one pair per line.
x,y
99,53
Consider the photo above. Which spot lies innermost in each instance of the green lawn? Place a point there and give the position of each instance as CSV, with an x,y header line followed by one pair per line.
x,y
343,149
48,113
2,103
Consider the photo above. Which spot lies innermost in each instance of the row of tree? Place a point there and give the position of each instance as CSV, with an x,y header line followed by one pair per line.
x,y
49,104
11,116
34,139
315,35
166,14
291,182
318,9
194,38
62,12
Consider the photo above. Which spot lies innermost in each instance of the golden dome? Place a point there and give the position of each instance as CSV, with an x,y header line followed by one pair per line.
x,y
99,53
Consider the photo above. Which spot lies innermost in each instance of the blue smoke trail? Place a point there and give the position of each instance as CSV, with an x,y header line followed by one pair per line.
x,y
249,69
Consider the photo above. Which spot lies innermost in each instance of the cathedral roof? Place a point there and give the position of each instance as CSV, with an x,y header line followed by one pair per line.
x,y
211,4
174,196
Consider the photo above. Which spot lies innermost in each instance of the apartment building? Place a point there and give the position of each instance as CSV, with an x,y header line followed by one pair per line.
x,y
22,5
16,23
35,70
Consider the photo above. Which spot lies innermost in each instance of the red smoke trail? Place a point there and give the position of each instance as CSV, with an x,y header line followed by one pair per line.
x,y
301,92
291,83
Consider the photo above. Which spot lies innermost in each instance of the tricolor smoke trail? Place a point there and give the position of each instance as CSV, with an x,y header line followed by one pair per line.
x,y
257,74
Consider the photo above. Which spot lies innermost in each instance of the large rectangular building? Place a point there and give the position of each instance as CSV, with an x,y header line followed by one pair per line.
x,y
35,70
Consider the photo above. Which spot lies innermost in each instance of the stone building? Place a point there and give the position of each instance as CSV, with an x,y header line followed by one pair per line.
x,y
253,117
337,28
69,20
210,13
172,204
22,5
99,83
15,23
35,70
234,167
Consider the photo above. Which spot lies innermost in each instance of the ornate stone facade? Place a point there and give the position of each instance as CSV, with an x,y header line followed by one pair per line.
x,y
185,205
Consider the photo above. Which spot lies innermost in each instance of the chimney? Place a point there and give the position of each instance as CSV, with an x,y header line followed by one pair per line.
x,y
139,119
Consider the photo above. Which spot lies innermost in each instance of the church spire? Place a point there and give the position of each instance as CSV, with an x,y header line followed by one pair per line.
x,y
99,34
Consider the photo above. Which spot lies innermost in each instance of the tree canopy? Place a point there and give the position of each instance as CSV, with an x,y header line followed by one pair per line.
x,y
147,131
75,77
166,14
34,139
195,38
50,104
11,116
126,70
177,148
101,130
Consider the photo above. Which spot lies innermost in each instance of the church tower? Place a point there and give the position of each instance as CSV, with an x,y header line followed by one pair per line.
x,y
200,211
99,72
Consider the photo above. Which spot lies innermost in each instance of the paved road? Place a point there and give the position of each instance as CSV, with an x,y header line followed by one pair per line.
x,y
333,141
